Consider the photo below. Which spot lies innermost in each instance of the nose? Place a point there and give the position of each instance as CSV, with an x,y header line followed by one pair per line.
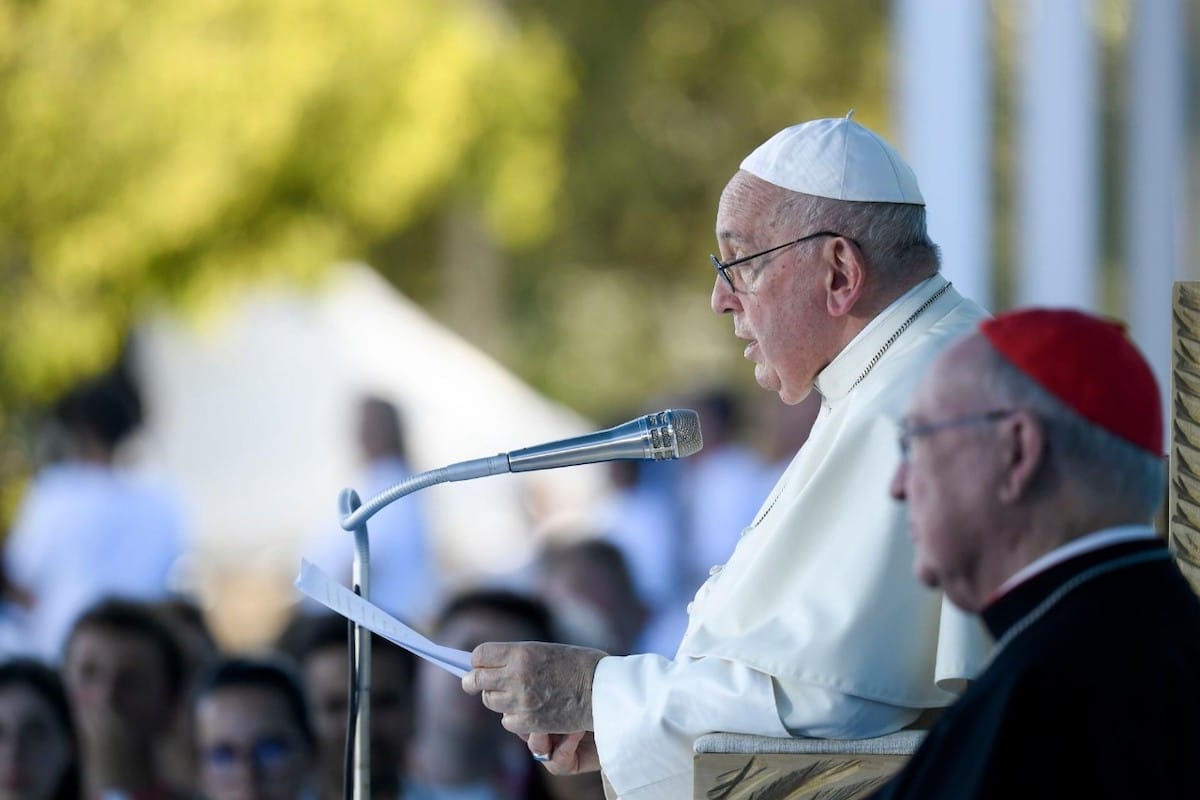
x,y
724,299
98,691
896,490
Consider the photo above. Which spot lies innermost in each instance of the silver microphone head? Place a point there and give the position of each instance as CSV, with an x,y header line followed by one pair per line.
x,y
677,430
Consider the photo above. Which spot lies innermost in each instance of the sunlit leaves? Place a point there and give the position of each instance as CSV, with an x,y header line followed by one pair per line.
x,y
175,151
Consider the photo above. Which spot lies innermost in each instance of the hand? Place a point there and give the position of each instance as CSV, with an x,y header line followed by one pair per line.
x,y
538,687
569,755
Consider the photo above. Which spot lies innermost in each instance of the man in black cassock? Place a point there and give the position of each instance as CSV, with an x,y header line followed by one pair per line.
x,y
1032,471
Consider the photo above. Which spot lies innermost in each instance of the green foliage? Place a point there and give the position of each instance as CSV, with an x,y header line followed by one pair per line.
x,y
672,96
175,151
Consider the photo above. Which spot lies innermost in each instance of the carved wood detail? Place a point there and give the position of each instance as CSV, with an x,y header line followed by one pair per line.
x,y
792,776
1183,513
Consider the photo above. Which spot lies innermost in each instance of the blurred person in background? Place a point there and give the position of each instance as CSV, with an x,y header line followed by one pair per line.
x,y
87,527
187,620
640,517
460,750
124,672
587,585
405,580
15,636
720,486
253,731
39,751
320,646
588,588
813,626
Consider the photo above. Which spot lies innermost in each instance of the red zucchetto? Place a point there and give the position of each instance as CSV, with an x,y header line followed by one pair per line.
x,y
1089,364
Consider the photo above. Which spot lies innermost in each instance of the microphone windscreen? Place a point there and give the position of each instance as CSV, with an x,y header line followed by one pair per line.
x,y
687,431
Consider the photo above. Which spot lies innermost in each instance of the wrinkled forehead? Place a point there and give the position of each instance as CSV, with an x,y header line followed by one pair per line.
x,y
747,204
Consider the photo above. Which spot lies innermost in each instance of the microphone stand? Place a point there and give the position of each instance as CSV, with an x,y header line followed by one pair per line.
x,y
354,516
360,642
668,434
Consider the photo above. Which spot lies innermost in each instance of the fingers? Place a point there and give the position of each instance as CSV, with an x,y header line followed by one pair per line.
x,y
520,724
569,744
491,654
490,679
541,746
483,679
566,758
490,664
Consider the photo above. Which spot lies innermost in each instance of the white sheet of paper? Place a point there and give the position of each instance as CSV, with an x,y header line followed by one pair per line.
x,y
336,597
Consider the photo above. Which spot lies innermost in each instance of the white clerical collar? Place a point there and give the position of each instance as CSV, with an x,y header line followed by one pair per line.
x,y
857,358
1075,547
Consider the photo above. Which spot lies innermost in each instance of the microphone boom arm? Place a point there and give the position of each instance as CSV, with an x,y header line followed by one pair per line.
x,y
462,471
663,435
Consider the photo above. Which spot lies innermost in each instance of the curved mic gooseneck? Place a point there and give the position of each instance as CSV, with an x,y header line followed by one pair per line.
x,y
674,433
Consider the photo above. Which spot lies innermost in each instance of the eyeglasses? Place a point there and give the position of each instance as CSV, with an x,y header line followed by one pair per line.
x,y
908,432
268,756
724,266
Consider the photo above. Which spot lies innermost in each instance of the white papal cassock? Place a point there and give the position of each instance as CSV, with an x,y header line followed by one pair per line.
x,y
815,626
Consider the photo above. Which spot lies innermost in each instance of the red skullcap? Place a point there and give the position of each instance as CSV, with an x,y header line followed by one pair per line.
x,y
1089,364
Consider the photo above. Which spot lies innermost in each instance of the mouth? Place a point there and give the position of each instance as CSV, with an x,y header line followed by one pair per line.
x,y
751,349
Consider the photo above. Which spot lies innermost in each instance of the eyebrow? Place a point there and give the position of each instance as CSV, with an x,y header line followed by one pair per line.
x,y
730,236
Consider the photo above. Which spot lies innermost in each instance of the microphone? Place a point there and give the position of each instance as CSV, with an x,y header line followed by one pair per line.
x,y
674,433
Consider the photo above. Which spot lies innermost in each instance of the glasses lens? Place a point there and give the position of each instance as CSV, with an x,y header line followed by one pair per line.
x,y
271,754
220,758
267,755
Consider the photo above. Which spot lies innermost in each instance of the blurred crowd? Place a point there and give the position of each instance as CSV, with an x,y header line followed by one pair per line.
x,y
113,685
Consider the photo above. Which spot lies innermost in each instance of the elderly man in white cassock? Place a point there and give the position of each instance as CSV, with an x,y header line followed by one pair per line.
x,y
814,625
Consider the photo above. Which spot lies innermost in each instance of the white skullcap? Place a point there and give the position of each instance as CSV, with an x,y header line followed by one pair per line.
x,y
835,158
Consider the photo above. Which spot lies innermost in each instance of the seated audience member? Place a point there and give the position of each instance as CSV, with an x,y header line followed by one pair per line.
x,y
88,527
123,670
253,732
589,589
16,637
39,753
1032,468
641,515
720,486
320,645
460,751
405,577
177,750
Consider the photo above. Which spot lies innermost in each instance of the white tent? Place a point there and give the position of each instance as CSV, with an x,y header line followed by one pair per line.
x,y
252,419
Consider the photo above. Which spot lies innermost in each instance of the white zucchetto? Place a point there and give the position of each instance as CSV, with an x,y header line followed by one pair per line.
x,y
835,158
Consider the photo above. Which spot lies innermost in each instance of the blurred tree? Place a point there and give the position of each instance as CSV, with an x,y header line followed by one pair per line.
x,y
542,174
612,309
176,150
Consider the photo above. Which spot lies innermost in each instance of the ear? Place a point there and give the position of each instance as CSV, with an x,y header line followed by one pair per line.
x,y
845,276
1022,447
